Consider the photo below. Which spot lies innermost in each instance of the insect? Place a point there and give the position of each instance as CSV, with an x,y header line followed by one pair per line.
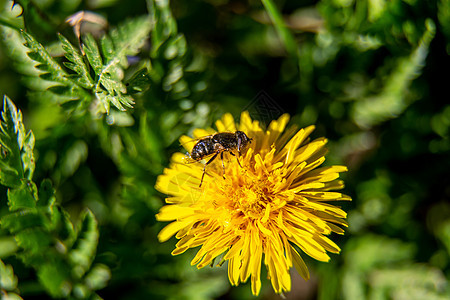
x,y
219,143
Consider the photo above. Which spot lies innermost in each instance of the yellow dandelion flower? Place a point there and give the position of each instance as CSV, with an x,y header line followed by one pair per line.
x,y
266,210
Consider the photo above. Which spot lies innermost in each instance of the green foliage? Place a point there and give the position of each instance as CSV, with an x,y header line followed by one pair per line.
x,y
8,282
17,160
48,241
78,202
380,267
53,72
126,40
107,64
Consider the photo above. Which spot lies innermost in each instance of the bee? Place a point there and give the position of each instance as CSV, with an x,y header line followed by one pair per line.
x,y
219,143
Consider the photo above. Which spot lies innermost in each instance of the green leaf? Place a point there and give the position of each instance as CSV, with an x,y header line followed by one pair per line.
x,y
17,53
18,221
164,24
285,34
12,138
98,277
123,41
7,279
83,251
108,62
8,282
34,241
62,225
392,100
8,246
46,194
107,48
22,197
78,64
140,82
55,277
28,156
51,70
128,38
93,53
76,154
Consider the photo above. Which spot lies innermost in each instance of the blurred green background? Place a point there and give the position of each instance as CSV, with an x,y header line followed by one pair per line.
x,y
372,76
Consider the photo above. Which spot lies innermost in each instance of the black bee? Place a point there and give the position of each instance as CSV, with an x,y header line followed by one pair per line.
x,y
219,143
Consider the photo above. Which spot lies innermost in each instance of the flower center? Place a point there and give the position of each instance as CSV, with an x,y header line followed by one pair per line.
x,y
250,192
252,200
248,196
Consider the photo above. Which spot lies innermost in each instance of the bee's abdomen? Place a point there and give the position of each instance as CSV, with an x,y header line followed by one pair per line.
x,y
202,148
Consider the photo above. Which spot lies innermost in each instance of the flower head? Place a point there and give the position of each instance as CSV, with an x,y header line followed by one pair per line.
x,y
266,207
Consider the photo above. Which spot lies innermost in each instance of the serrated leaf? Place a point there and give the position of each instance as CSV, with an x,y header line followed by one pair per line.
x,y
17,52
78,64
103,97
107,48
175,47
93,53
8,281
12,135
128,38
85,246
59,89
122,99
28,156
52,71
33,241
18,221
125,40
23,197
39,54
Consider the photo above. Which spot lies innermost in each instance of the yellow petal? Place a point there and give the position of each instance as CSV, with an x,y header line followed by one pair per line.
x,y
263,229
173,212
235,249
327,244
310,247
233,270
306,152
201,133
179,250
187,142
277,127
226,123
255,263
245,260
168,231
299,264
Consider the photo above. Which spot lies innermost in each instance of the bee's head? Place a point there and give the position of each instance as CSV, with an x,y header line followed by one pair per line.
x,y
243,140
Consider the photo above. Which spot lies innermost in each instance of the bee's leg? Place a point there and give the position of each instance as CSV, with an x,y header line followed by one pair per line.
x,y
223,166
204,168
236,159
